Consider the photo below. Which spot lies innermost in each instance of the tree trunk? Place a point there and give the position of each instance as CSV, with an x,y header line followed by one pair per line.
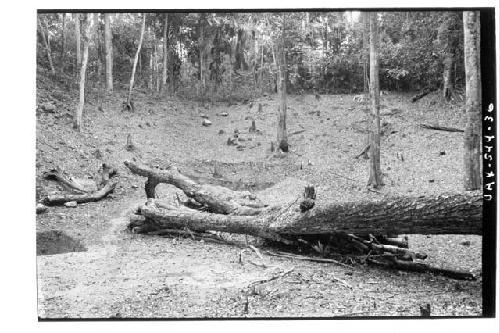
x,y
150,68
46,42
171,69
282,133
150,81
63,42
449,41
472,136
108,49
201,52
99,53
447,76
156,67
375,179
366,51
78,40
132,76
244,213
261,72
165,55
79,110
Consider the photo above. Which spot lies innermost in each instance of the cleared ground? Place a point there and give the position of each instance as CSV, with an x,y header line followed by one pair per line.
x,y
127,275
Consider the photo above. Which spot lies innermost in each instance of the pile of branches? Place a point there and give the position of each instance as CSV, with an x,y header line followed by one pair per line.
x,y
335,228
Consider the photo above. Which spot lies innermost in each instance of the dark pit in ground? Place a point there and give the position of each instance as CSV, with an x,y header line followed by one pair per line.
x,y
55,242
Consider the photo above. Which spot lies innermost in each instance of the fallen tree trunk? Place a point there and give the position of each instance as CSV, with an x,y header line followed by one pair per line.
x,y
61,199
441,128
242,213
457,214
392,262
423,93
68,182
217,198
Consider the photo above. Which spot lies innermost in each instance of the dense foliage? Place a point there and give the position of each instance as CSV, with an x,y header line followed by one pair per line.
x,y
228,54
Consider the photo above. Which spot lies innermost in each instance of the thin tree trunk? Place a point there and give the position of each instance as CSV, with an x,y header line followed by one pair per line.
x,y
165,55
63,42
150,81
46,42
282,133
261,68
448,46
201,51
156,67
171,68
108,47
472,136
132,76
99,52
79,110
150,71
375,179
366,51
78,42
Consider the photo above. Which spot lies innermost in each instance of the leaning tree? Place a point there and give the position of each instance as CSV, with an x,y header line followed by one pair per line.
x,y
128,104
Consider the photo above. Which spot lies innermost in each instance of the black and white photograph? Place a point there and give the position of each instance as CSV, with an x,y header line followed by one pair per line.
x,y
291,163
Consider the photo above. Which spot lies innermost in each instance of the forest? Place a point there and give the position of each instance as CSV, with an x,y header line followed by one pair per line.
x,y
259,164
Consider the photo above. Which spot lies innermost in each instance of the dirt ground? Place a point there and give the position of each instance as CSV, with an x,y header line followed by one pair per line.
x,y
130,276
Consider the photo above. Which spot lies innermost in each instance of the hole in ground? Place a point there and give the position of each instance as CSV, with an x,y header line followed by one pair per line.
x,y
55,242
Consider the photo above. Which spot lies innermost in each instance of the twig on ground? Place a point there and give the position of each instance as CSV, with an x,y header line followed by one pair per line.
x,y
298,257
259,264
256,250
272,278
342,282
441,128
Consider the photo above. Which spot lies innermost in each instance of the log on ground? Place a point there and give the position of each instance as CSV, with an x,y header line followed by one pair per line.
x,y
218,199
61,199
242,213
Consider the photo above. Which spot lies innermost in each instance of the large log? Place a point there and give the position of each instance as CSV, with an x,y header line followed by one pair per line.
x,y
218,199
241,213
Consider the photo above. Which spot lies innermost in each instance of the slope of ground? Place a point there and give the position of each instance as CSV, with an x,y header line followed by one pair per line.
x,y
128,275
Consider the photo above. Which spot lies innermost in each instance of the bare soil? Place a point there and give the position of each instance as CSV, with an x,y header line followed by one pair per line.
x,y
127,275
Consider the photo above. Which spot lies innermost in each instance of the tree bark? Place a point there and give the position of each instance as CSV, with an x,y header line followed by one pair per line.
x,y
78,41
243,213
375,179
282,132
108,49
46,42
472,136
79,110
165,55
136,58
